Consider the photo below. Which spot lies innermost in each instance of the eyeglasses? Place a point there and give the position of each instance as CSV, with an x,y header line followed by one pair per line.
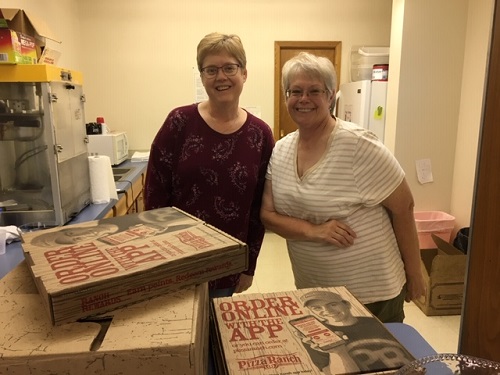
x,y
228,69
314,93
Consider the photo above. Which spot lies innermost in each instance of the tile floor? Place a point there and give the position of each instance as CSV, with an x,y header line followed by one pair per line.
x,y
274,274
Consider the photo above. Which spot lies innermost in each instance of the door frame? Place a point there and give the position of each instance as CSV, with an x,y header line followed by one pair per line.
x,y
479,327
300,45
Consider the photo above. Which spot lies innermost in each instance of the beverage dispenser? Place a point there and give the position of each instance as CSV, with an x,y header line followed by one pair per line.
x,y
44,173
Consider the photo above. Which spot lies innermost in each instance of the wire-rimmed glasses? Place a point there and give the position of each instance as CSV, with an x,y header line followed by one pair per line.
x,y
212,70
296,93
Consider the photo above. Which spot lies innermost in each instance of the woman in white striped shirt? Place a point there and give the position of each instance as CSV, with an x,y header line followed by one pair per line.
x,y
340,199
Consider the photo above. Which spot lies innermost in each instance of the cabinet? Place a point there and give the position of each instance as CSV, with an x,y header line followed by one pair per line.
x,y
137,196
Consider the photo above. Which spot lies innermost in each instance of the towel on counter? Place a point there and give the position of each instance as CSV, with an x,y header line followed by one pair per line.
x,y
12,233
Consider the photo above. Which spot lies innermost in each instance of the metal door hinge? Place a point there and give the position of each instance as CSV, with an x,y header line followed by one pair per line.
x,y
53,98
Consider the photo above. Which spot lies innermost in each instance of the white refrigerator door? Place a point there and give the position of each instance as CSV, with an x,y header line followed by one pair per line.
x,y
376,113
354,102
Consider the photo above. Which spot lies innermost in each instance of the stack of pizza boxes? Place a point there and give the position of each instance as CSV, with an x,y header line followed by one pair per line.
x,y
123,295
305,331
163,335
87,269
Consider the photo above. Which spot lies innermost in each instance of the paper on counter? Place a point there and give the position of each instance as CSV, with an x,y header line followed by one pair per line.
x,y
140,156
102,182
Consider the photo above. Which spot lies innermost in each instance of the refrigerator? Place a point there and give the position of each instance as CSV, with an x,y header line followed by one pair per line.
x,y
364,103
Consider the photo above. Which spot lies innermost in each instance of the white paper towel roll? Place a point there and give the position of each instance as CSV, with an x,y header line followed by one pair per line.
x,y
102,183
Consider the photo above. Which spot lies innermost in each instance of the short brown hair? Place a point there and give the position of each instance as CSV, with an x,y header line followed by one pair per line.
x,y
215,43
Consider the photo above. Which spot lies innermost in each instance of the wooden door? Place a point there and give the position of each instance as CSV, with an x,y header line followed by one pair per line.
x,y
480,326
283,51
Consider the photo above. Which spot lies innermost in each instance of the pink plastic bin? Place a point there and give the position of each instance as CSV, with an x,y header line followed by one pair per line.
x,y
437,222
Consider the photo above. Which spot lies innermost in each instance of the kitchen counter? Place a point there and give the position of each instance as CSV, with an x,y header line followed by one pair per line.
x,y
14,252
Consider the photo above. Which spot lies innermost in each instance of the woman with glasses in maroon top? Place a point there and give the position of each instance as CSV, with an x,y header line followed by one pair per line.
x,y
210,158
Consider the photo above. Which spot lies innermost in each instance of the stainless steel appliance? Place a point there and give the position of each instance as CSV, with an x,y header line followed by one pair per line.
x,y
44,173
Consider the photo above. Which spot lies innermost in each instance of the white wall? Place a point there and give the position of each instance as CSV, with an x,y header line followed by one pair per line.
x,y
140,57
477,43
439,49
428,102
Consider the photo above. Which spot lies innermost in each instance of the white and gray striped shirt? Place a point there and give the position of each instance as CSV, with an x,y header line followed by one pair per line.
x,y
356,173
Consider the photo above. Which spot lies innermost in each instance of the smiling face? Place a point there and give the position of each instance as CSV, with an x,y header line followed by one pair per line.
x,y
81,234
333,311
223,88
73,234
309,101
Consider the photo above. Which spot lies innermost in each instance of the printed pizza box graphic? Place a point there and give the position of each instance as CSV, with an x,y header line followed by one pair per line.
x,y
90,268
305,331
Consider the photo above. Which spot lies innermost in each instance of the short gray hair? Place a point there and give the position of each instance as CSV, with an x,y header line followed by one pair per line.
x,y
315,66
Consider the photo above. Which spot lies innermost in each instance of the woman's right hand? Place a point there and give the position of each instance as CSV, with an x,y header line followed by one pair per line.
x,y
335,232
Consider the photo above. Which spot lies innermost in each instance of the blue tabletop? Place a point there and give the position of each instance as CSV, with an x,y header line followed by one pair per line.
x,y
411,339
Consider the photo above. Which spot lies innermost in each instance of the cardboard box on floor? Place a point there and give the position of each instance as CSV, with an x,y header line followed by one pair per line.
x,y
165,335
22,37
444,273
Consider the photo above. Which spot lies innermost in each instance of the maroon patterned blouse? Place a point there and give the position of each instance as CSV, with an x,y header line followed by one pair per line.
x,y
218,178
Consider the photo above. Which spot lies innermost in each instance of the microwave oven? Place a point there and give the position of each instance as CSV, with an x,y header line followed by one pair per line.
x,y
113,144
